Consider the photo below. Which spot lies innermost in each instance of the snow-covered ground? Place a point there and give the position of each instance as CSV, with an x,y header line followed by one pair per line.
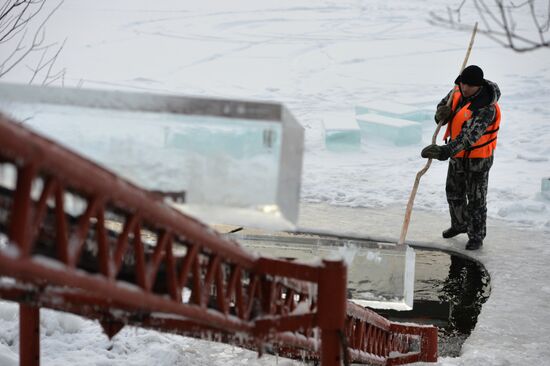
x,y
315,57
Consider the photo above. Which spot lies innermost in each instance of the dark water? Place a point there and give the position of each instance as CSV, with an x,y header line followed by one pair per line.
x,y
449,293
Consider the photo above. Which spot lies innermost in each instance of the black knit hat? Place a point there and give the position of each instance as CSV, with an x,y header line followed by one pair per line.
x,y
472,75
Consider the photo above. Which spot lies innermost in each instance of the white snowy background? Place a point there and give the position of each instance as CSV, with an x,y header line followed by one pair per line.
x,y
315,57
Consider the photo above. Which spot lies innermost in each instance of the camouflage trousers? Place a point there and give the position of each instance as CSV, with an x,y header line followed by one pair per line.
x,y
466,188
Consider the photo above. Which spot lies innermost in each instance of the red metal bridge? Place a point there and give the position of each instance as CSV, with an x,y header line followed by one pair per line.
x,y
77,238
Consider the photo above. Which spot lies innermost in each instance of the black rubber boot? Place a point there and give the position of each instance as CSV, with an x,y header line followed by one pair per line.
x,y
474,244
452,232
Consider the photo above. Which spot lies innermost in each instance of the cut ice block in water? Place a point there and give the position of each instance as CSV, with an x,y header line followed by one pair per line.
x,y
545,187
380,275
398,110
341,131
399,131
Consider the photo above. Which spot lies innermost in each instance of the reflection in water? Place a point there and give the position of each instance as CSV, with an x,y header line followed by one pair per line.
x,y
448,292
466,288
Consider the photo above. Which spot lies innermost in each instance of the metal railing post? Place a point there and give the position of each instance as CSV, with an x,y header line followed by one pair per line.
x,y
429,345
29,316
332,297
29,335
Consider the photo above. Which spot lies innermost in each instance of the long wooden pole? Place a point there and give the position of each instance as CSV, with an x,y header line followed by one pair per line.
x,y
410,204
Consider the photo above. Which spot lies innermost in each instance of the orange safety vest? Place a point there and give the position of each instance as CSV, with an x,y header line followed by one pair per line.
x,y
484,147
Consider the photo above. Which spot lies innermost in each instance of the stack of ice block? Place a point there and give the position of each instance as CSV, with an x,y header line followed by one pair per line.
x,y
397,110
341,131
400,131
545,187
394,121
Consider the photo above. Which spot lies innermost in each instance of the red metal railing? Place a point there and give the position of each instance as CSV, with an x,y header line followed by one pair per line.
x,y
80,239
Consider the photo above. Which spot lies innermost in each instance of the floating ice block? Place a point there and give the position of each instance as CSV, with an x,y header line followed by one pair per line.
x,y
545,187
398,110
400,131
341,131
238,162
380,275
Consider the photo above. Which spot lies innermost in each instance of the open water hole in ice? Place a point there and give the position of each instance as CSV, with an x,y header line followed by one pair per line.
x,y
449,291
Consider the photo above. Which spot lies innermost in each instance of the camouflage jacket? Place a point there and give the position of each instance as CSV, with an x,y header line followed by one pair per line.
x,y
483,114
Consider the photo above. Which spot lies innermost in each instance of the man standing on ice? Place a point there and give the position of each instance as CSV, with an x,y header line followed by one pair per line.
x,y
471,137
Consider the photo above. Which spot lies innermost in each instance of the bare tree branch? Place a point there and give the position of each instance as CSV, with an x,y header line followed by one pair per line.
x,y
49,63
500,22
17,17
546,27
512,5
505,23
483,17
20,21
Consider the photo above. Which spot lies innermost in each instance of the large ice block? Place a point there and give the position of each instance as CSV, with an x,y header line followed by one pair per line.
x,y
399,131
238,140
380,275
397,110
545,187
238,162
341,131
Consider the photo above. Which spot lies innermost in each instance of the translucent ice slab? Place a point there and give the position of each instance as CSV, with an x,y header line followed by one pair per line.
x,y
238,162
380,275
397,110
399,131
545,187
341,132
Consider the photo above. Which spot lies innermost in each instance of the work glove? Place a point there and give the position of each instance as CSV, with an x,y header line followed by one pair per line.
x,y
436,152
442,113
